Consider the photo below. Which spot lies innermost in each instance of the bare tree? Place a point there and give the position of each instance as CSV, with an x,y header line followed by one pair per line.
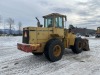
x,y
10,22
20,26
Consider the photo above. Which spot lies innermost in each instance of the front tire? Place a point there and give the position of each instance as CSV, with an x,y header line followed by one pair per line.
x,y
54,50
77,48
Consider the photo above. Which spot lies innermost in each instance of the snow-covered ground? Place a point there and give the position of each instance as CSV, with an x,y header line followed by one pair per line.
x,y
15,62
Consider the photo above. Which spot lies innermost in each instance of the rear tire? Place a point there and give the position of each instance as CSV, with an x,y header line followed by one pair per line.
x,y
53,50
77,48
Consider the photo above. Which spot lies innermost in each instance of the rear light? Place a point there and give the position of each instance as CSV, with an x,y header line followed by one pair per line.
x,y
25,34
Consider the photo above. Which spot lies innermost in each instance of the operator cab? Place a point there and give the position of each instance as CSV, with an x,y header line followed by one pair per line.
x,y
54,20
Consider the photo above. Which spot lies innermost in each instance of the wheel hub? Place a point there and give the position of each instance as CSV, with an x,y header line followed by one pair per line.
x,y
57,51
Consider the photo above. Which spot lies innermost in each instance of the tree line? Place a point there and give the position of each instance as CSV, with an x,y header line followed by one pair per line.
x,y
10,23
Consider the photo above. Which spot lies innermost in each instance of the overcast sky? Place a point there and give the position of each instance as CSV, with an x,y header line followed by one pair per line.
x,y
80,13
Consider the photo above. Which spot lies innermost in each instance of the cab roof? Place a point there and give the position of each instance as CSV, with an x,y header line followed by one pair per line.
x,y
54,14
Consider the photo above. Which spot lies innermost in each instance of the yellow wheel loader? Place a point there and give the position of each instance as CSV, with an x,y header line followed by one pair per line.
x,y
98,32
52,38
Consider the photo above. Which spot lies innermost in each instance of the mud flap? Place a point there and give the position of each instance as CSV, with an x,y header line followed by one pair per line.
x,y
85,45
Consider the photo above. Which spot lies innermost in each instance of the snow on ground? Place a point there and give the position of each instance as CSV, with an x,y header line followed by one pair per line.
x,y
9,40
16,62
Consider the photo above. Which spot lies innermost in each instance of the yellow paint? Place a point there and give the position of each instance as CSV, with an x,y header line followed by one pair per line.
x,y
70,39
38,35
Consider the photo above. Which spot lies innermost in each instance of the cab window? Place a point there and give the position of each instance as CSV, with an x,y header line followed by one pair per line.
x,y
49,22
59,21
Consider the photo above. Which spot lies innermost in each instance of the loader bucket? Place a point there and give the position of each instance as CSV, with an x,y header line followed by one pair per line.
x,y
85,45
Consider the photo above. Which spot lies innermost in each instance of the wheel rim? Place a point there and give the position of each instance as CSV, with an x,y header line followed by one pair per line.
x,y
57,51
80,45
